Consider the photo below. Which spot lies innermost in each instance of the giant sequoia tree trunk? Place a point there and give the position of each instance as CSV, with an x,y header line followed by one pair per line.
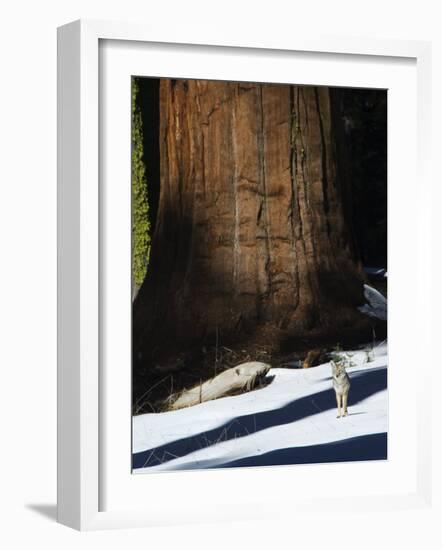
x,y
252,228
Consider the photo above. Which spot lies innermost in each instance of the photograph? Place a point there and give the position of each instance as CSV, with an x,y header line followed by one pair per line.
x,y
258,275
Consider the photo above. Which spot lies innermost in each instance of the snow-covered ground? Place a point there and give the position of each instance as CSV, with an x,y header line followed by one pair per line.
x,y
376,304
290,421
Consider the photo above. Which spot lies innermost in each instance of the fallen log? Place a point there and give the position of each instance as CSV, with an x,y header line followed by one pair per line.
x,y
244,377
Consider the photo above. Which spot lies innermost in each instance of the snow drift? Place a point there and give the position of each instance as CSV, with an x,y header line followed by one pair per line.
x,y
290,421
376,305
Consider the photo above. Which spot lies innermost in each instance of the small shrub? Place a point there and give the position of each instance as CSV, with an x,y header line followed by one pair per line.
x,y
340,356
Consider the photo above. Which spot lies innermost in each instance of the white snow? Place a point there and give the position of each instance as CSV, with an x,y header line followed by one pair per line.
x,y
291,420
376,305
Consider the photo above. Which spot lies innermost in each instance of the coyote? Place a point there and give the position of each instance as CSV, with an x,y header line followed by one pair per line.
x,y
341,385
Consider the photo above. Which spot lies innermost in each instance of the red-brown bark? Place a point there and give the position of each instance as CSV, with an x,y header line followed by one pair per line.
x,y
251,229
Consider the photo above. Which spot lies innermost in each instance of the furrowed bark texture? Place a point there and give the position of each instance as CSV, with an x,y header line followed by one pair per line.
x,y
251,229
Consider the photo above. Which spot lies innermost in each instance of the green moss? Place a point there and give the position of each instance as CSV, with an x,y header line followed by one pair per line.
x,y
140,203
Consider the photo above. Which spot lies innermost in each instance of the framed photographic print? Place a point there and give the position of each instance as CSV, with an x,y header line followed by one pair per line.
x,y
229,216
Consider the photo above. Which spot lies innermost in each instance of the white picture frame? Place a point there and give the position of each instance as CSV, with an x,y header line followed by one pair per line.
x,y
81,393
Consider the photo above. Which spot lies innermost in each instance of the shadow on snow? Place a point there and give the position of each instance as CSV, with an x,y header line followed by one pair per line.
x,y
363,447
363,385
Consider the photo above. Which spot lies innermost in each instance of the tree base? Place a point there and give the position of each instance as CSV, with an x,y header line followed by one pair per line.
x,y
155,379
